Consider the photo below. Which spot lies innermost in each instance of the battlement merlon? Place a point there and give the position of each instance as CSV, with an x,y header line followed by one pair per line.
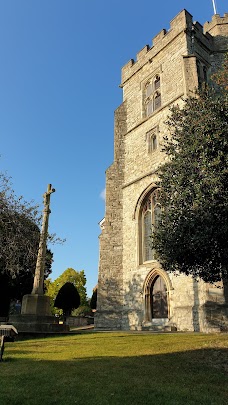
x,y
216,25
181,23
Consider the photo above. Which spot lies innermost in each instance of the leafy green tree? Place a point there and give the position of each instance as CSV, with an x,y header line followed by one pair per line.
x,y
77,278
82,310
193,228
221,76
19,229
67,298
19,240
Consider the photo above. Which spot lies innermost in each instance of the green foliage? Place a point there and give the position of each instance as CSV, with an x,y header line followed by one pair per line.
x,y
67,298
193,230
19,230
77,278
82,310
19,241
221,77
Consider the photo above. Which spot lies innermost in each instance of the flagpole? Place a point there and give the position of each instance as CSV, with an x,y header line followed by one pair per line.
x,y
214,6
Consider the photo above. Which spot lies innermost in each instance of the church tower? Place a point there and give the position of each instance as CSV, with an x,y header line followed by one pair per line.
x,y
134,292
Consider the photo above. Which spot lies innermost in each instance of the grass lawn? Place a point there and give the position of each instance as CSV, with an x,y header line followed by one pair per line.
x,y
116,368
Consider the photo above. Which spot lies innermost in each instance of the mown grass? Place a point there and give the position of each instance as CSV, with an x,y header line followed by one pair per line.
x,y
116,368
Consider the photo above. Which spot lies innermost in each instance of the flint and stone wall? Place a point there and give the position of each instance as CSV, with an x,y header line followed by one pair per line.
x,y
176,56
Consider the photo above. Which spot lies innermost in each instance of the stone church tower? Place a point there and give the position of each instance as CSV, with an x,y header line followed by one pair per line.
x,y
134,292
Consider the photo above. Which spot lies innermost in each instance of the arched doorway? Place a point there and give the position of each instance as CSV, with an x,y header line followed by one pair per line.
x,y
157,289
158,299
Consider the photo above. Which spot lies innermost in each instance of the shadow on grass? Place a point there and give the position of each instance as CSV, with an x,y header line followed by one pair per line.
x,y
190,377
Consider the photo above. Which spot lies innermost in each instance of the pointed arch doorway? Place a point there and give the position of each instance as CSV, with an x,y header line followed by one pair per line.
x,y
158,299
156,290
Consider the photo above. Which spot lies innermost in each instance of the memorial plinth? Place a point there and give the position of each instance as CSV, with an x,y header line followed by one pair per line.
x,y
35,311
26,323
36,304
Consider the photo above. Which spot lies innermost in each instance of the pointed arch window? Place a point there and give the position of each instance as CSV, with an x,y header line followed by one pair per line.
x,y
150,213
157,100
149,89
152,140
152,95
157,82
202,73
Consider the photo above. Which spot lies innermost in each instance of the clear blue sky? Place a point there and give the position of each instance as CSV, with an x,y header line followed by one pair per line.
x,y
60,64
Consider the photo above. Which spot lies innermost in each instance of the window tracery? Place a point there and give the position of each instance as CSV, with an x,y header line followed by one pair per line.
x,y
202,73
152,140
150,213
152,95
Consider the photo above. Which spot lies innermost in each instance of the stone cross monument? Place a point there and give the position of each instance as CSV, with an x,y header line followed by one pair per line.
x,y
35,314
37,303
40,263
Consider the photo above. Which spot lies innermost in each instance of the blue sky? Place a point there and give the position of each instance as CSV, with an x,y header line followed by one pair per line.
x,y
60,66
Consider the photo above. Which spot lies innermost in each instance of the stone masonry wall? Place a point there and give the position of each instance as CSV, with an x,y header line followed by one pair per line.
x,y
174,56
110,277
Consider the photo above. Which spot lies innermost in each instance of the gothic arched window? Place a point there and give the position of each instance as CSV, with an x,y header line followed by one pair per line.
x,y
152,95
157,82
150,213
157,100
201,72
152,140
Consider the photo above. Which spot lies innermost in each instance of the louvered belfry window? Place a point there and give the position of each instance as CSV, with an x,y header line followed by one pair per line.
x,y
152,95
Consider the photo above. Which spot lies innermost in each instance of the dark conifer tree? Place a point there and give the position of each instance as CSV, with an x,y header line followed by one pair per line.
x,y
93,301
67,298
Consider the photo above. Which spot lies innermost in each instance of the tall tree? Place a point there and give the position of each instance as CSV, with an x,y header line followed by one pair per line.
x,y
193,228
77,278
19,240
19,229
67,298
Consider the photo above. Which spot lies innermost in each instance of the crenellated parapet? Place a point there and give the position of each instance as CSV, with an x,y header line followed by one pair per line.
x,y
182,23
218,28
216,21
